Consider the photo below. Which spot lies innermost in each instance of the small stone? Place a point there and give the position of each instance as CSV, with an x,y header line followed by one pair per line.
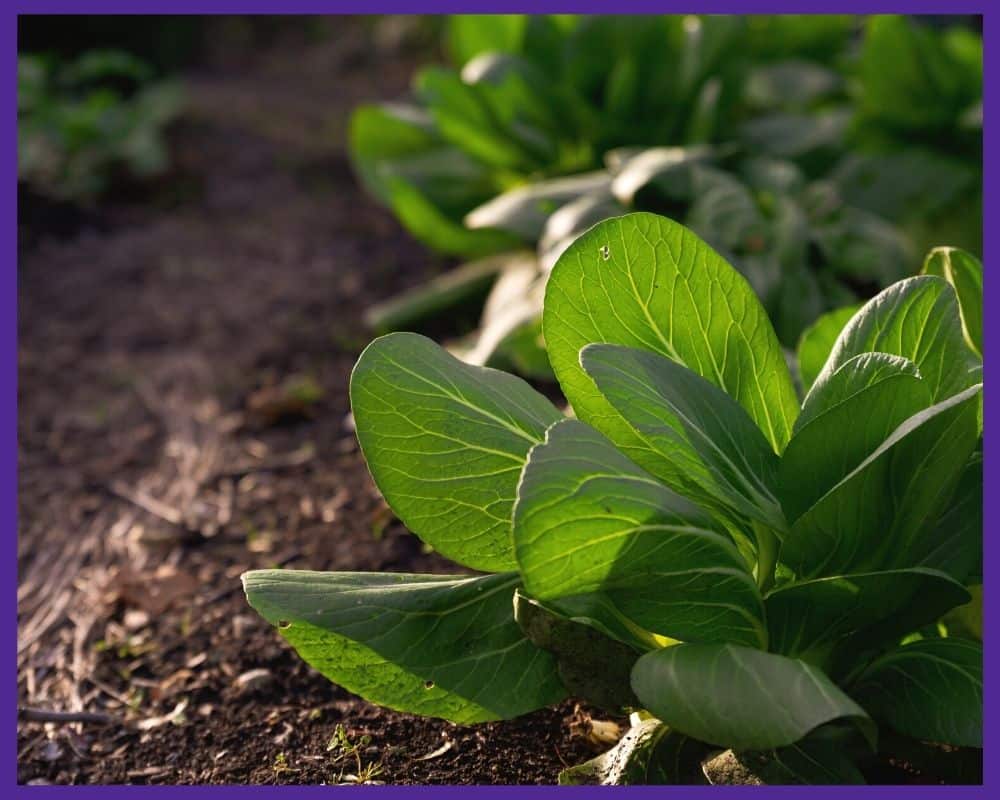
x,y
254,680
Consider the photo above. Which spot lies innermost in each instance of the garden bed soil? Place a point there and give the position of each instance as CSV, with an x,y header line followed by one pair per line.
x,y
184,354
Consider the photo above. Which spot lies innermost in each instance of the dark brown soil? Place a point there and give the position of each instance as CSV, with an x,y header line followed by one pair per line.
x,y
160,456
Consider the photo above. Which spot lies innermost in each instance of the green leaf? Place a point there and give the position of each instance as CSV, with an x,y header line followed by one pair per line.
x,y
817,341
954,544
908,79
694,437
432,227
645,281
810,763
440,646
967,620
965,273
906,184
387,132
597,611
465,117
570,221
740,697
930,689
648,753
537,113
445,443
807,619
843,421
862,248
788,135
589,520
468,35
872,518
917,318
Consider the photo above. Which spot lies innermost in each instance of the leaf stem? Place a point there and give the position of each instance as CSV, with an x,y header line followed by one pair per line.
x,y
767,555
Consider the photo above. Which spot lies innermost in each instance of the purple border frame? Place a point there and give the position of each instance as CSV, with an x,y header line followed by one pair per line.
x,y
8,354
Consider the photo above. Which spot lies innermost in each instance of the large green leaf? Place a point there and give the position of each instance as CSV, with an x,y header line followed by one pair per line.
x,y
954,544
694,436
965,273
570,221
843,421
812,762
871,519
645,281
817,341
930,689
445,443
917,318
740,697
589,520
441,646
806,619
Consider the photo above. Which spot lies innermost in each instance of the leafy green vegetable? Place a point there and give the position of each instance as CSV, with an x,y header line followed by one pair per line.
x,y
692,435
740,697
628,281
742,571
818,340
930,689
780,140
588,520
446,442
434,645
965,273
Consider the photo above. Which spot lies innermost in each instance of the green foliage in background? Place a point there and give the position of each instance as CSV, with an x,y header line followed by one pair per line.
x,y
820,154
774,582
83,123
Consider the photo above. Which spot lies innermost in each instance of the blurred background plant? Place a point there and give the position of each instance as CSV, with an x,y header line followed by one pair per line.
x,y
85,121
821,166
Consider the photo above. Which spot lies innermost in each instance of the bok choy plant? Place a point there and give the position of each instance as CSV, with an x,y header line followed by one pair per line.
x,y
764,581
801,246
768,135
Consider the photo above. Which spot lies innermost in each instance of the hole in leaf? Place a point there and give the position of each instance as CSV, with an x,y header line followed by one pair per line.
x,y
605,252
284,623
428,684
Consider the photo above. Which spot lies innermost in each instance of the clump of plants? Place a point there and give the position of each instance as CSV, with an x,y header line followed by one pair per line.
x,y
775,585
915,134
817,167
804,250
83,123
535,97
